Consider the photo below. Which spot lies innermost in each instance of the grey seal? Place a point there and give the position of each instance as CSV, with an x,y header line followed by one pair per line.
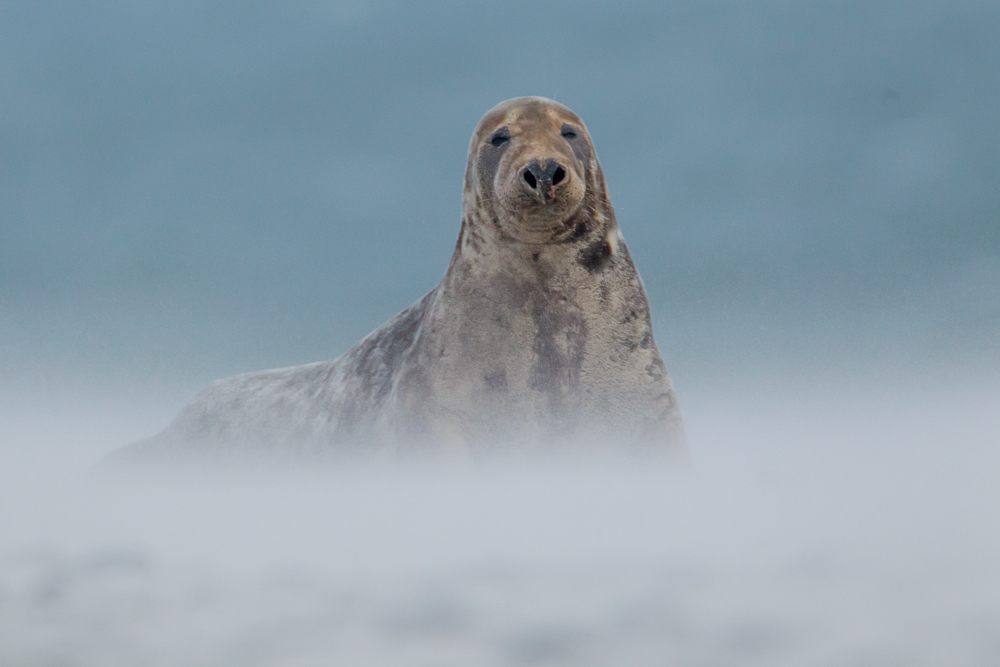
x,y
538,336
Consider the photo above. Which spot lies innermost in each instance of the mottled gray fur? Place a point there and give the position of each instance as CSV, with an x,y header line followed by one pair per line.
x,y
538,335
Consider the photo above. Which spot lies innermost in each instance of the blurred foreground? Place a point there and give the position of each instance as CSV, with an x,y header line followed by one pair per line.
x,y
818,524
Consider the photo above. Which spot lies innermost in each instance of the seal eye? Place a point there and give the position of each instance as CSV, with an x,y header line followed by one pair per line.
x,y
500,137
568,132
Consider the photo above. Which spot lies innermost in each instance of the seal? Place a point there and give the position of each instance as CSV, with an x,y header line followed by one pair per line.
x,y
538,336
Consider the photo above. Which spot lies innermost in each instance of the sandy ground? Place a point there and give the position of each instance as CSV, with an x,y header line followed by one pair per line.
x,y
850,524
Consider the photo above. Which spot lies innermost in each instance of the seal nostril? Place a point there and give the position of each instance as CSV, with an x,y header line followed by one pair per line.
x,y
530,179
558,176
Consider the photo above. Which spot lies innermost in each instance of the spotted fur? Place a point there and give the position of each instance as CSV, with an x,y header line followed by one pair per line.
x,y
539,334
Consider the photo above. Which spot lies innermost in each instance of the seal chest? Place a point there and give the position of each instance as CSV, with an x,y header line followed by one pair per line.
x,y
539,334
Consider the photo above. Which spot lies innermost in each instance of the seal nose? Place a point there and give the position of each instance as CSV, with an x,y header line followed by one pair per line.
x,y
542,177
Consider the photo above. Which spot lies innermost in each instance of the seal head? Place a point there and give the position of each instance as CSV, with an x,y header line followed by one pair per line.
x,y
528,168
532,172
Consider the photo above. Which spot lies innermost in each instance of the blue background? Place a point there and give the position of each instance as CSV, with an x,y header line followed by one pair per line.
x,y
190,190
